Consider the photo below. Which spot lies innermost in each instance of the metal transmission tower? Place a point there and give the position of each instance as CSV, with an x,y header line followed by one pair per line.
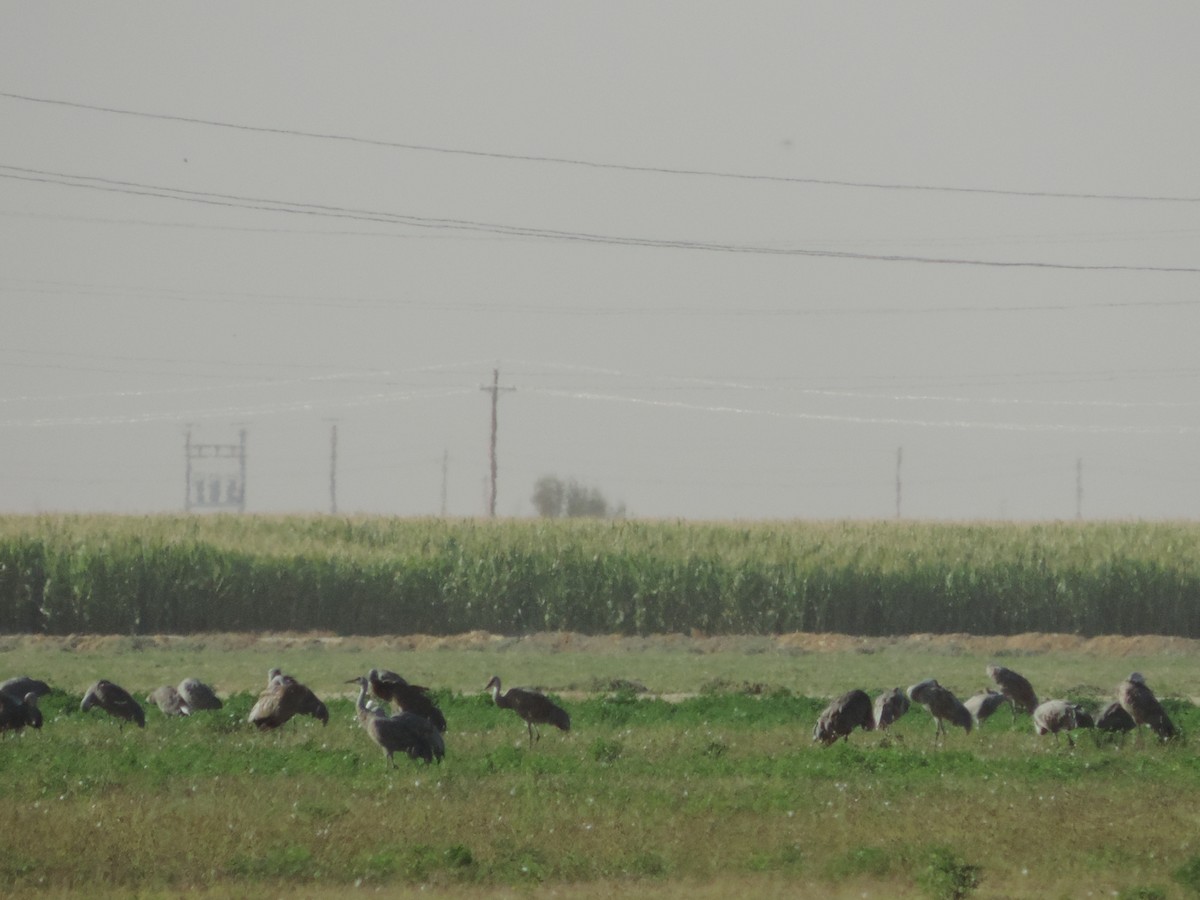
x,y
215,475
495,390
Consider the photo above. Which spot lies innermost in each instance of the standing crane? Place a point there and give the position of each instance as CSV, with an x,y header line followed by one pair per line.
x,y
1054,716
392,688
285,697
22,685
982,705
168,700
18,712
890,706
942,705
114,700
851,710
534,708
198,695
1143,707
1015,687
406,732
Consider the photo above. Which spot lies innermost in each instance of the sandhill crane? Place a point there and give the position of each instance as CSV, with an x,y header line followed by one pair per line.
x,y
534,708
1015,687
890,706
18,712
406,732
983,704
22,684
1143,707
114,700
1114,719
942,705
391,688
167,699
849,711
1054,716
285,697
198,695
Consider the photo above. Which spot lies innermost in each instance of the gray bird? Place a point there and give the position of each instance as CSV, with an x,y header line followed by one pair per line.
x,y
18,712
406,732
22,685
1114,720
392,688
890,706
198,695
1054,716
1143,707
1015,687
849,711
536,709
982,705
114,700
167,699
942,705
284,698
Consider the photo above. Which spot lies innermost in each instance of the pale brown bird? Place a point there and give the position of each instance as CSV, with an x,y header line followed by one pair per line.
x,y
890,706
285,697
942,705
198,695
167,699
406,732
1015,687
534,708
392,688
1143,707
1054,716
982,705
114,700
851,710
18,712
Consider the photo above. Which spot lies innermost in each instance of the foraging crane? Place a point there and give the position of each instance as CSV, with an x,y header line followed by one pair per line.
x,y
391,688
1143,707
198,695
1015,687
851,710
1054,716
942,705
983,704
114,700
406,732
168,700
534,708
890,706
22,684
285,697
1114,719
17,712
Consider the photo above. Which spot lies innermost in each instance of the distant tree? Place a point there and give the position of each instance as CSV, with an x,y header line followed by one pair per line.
x,y
549,497
553,498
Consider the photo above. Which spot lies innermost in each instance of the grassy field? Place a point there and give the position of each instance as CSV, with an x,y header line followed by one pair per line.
x,y
714,791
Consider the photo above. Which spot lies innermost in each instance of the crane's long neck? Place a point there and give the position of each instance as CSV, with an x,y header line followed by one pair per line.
x,y
363,712
495,686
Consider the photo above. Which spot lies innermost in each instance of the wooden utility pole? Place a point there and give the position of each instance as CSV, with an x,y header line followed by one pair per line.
x,y
333,469
494,389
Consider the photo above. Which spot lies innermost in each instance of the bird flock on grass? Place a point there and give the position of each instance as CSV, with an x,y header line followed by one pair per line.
x,y
1135,705
401,717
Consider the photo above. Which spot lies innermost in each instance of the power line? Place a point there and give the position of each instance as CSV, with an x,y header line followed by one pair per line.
x,y
593,164
112,185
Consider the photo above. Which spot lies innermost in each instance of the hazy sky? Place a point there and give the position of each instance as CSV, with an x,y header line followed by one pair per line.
x,y
732,257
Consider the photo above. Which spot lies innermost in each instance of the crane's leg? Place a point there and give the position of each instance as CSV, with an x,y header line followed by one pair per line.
x,y
529,725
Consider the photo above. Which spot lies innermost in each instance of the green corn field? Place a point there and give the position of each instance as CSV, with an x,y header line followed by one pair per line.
x,y
186,574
